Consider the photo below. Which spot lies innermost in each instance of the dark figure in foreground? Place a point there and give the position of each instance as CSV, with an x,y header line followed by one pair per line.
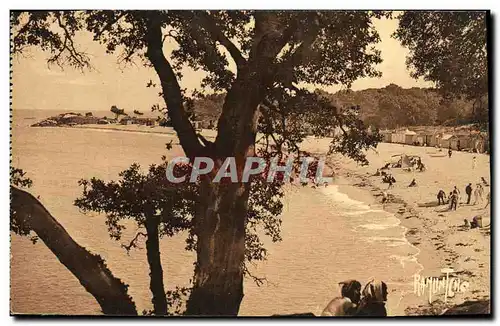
x,y
468,191
441,197
373,301
347,303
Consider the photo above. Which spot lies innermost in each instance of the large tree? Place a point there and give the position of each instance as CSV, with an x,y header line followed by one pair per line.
x,y
449,48
277,54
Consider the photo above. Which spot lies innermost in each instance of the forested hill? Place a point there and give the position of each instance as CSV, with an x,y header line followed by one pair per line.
x,y
387,107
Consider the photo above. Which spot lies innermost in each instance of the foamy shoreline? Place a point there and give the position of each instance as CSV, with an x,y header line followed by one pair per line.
x,y
350,184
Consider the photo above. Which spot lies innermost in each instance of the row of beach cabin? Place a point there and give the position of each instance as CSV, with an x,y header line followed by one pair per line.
x,y
460,140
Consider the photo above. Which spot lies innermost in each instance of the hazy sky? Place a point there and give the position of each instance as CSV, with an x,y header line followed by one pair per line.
x,y
36,86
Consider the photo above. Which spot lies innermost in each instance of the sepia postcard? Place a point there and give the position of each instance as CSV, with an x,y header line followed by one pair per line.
x,y
247,163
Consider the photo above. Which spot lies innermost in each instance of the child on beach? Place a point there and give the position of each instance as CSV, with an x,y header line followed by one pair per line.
x,y
474,162
385,197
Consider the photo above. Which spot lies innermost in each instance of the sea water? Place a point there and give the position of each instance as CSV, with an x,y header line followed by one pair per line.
x,y
327,236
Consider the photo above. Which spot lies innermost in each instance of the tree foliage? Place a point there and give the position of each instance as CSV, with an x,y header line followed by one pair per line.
x,y
449,48
321,48
118,112
387,107
393,106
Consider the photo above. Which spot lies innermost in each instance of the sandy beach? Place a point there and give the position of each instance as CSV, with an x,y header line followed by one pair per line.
x,y
435,231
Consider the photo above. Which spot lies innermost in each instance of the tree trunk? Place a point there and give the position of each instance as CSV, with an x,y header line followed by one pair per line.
x,y
220,225
220,218
156,271
221,214
91,270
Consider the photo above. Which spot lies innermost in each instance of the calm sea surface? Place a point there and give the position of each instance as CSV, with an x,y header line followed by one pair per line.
x,y
327,236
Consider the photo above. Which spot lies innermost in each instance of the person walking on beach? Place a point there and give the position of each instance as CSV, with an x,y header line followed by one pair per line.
x,y
474,162
449,152
488,198
453,201
478,193
441,197
347,303
454,198
468,191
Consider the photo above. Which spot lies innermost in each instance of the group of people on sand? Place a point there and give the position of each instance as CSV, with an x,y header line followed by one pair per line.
x,y
416,164
454,197
356,302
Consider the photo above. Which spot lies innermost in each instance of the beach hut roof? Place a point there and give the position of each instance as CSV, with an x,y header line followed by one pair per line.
x,y
446,137
409,132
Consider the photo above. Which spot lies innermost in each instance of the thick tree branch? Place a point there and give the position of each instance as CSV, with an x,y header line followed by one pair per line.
x,y
109,291
171,90
210,24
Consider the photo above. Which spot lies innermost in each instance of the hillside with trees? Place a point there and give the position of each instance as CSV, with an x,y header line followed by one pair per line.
x,y
388,107
393,106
